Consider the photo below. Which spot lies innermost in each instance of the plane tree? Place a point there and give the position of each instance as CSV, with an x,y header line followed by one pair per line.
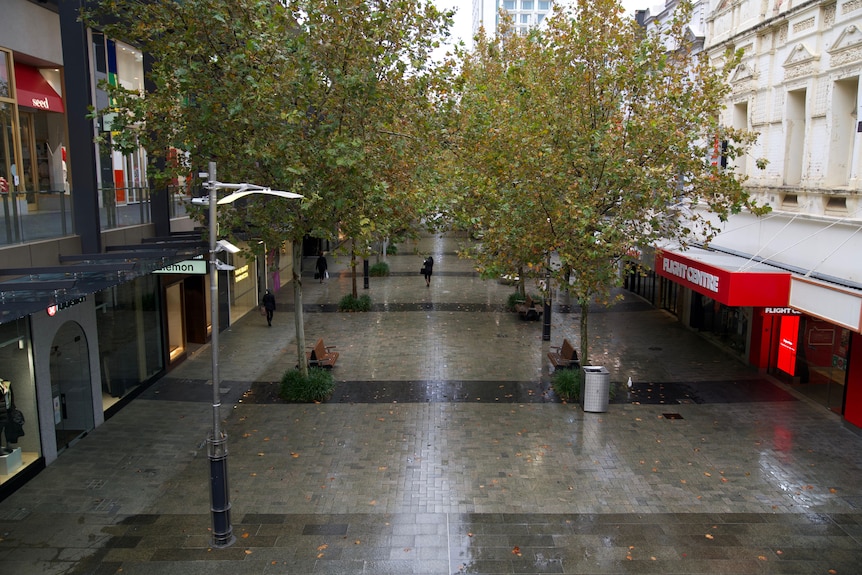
x,y
588,139
309,96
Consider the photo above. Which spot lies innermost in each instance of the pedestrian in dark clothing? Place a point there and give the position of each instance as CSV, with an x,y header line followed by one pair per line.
x,y
321,267
269,306
427,268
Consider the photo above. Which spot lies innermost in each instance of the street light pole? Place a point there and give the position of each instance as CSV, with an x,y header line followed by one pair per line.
x,y
546,320
222,532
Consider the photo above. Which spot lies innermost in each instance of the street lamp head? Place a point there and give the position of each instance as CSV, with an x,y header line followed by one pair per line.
x,y
226,246
241,193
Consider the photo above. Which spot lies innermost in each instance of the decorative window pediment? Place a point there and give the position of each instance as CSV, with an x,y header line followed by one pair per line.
x,y
743,73
800,55
723,6
851,37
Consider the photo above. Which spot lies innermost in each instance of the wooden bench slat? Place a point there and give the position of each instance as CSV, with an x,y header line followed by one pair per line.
x,y
321,355
528,309
565,356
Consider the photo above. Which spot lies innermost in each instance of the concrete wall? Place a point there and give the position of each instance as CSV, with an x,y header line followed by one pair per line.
x,y
19,20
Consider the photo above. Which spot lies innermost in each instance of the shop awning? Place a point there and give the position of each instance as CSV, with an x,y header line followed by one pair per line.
x,y
726,278
34,91
24,291
836,304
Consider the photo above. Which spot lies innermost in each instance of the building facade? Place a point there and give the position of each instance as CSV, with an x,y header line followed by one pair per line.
x,y
103,287
783,291
525,14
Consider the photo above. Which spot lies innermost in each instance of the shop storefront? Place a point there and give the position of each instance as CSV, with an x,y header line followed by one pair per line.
x,y
129,321
717,294
804,332
122,177
827,365
33,174
808,354
20,443
66,370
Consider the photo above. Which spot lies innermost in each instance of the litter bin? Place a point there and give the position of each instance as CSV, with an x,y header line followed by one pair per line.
x,y
597,387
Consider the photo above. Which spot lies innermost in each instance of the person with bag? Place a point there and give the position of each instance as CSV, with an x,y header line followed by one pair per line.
x,y
427,268
321,268
269,306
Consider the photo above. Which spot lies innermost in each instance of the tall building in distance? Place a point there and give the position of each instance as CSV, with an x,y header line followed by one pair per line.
x,y
525,13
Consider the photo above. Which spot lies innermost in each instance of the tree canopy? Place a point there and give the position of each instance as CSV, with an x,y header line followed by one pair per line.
x,y
587,139
320,97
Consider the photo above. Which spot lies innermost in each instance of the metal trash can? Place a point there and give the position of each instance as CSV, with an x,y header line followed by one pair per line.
x,y
597,387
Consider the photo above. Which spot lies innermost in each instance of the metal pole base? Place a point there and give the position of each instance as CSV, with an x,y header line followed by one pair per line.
x,y
220,493
546,321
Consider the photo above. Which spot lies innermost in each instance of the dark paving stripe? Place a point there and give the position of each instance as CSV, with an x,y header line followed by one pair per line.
x,y
667,393
455,391
419,392
194,390
675,393
532,543
635,306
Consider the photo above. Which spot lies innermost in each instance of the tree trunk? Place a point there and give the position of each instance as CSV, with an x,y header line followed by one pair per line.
x,y
353,267
585,342
298,318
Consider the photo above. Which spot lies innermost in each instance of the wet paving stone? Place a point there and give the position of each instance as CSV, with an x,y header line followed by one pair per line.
x,y
428,461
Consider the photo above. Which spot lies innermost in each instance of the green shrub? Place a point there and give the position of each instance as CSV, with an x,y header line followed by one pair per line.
x,y
391,249
514,298
380,269
316,387
350,303
567,384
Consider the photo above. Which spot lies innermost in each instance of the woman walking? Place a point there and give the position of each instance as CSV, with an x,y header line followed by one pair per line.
x,y
321,266
269,306
427,269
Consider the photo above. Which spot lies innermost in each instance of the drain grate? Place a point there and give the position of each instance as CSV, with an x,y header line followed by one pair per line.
x,y
672,416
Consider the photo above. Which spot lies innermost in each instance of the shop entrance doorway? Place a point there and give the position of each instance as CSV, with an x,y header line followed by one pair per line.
x,y
810,355
71,390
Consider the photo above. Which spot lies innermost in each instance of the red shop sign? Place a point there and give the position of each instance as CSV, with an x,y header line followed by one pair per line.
x,y
733,288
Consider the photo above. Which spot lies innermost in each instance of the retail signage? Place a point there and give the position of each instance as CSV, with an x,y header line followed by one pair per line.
x,y
787,344
240,274
53,309
692,274
730,287
185,267
780,311
34,91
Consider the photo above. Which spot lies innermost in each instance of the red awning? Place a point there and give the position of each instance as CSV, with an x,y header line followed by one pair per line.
x,y
728,279
34,91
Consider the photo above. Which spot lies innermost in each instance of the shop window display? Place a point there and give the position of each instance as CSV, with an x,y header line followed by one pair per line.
x,y
130,349
19,424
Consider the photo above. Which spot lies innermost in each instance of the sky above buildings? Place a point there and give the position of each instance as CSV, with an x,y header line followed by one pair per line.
x,y
463,18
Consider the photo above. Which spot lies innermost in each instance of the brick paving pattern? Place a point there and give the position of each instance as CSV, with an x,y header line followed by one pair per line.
x,y
443,452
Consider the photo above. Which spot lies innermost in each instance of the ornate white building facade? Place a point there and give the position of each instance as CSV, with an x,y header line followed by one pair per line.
x,y
797,87
524,13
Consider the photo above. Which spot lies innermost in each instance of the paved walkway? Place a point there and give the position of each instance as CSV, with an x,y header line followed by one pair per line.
x,y
443,452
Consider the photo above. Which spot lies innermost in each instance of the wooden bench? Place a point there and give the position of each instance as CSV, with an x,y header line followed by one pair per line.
x,y
322,355
565,356
529,309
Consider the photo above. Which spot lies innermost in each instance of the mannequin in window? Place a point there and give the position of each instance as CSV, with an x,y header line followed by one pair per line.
x,y
11,420
5,414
